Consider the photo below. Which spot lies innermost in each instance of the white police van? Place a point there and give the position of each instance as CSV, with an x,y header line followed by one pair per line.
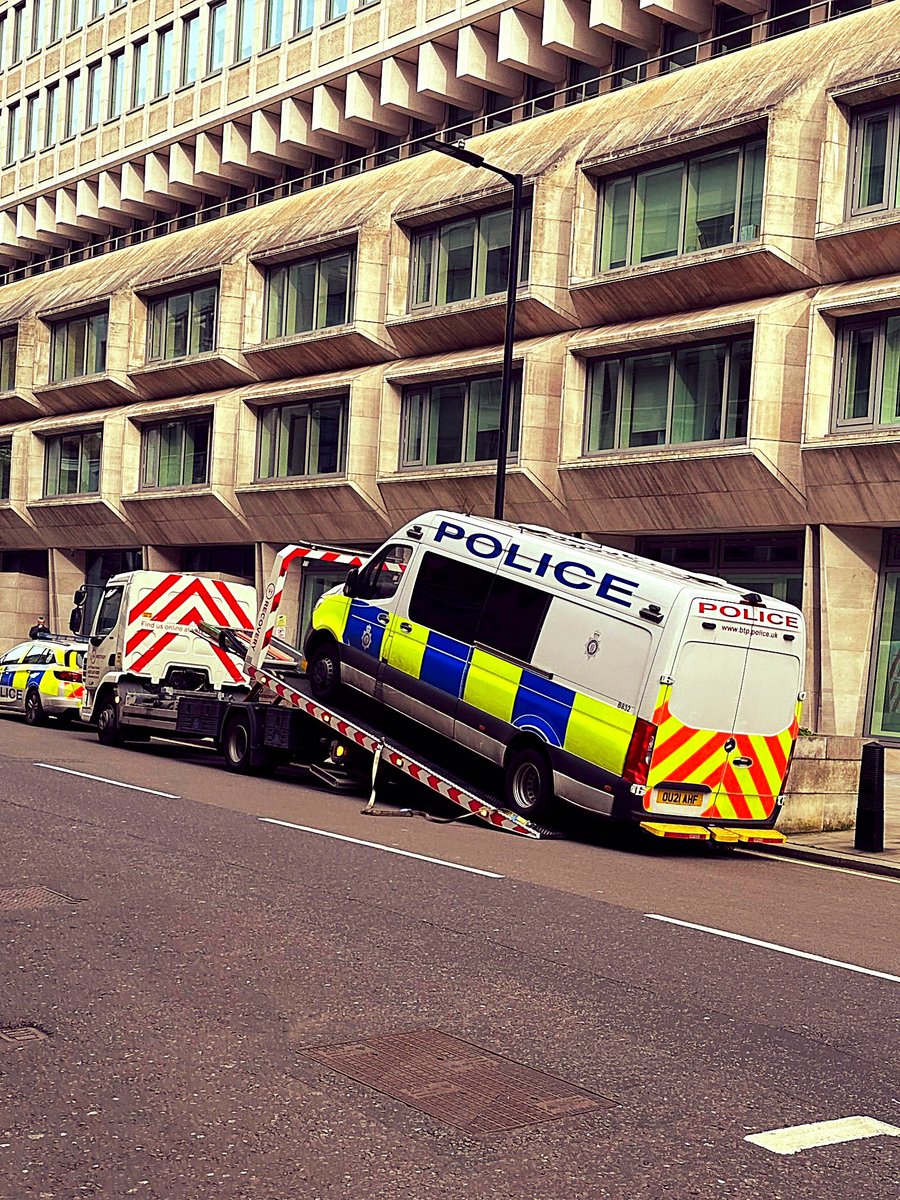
x,y
591,675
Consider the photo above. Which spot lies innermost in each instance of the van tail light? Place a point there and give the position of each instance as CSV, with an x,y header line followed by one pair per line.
x,y
69,676
640,751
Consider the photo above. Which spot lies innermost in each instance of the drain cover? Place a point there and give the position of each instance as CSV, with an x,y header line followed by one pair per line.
x,y
456,1082
12,899
23,1033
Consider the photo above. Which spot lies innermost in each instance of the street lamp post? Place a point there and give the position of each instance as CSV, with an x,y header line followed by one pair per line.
x,y
459,152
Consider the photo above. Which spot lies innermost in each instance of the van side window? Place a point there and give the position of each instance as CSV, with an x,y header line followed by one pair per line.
x,y
380,578
449,596
108,612
512,618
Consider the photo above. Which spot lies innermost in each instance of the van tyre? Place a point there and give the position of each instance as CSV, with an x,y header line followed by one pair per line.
x,y
109,731
34,709
324,671
237,746
528,784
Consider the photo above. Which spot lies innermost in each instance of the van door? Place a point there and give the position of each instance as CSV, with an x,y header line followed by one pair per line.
x,y
102,643
374,599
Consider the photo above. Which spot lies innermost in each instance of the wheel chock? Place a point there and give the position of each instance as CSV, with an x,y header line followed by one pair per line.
x,y
660,829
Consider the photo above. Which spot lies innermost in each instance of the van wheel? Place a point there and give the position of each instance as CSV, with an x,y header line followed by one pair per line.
x,y
236,745
109,731
528,784
34,710
324,671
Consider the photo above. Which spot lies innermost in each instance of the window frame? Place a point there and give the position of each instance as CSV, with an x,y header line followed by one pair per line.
x,y
184,424
160,304
188,71
216,12
275,413
859,118
685,163
59,329
413,394
8,360
93,94
115,94
5,469
163,72
845,327
620,360
83,465
318,306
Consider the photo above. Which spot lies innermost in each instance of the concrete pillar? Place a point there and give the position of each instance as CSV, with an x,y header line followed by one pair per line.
x,y
566,29
624,21
329,116
363,103
23,598
519,45
209,170
296,130
437,78
66,569
695,15
476,62
399,91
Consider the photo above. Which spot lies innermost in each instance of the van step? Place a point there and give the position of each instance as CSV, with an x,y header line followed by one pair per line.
x,y
765,837
336,778
721,833
660,829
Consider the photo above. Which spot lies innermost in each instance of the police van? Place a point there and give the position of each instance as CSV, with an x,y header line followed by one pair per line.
x,y
590,675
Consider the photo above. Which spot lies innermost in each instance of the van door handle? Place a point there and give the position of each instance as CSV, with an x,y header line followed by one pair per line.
x,y
743,762
405,627
382,618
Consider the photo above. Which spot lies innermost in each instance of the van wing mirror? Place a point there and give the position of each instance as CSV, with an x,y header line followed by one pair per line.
x,y
75,619
80,596
350,582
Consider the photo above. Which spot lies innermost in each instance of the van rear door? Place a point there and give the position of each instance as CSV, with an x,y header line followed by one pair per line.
x,y
726,722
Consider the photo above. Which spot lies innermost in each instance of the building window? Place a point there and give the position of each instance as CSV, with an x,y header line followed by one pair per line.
x,y
306,15
76,16
8,345
540,95
18,21
183,323
274,23
116,84
176,453
679,48
215,51
875,157
31,121
56,19
245,25
336,8
867,375
769,563
315,293
92,106
5,467
733,29
98,8
73,104
3,22
465,259
51,116
697,393
456,422
72,463
78,347
629,65
584,81
163,62
885,719
712,199
12,133
37,25
786,16
301,440
190,34
139,73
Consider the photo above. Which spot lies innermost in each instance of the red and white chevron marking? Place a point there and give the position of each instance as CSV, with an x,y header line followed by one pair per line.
x,y
183,600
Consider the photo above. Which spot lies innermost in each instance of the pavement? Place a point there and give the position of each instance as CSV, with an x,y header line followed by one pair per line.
x,y
836,846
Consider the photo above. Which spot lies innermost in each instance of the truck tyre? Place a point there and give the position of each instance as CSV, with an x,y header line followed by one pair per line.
x,y
528,783
109,731
237,745
324,671
34,710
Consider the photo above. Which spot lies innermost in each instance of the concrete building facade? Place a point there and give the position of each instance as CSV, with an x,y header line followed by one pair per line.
x,y
241,304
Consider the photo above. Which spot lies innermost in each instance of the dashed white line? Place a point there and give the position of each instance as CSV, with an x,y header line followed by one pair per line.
x,y
794,1138
133,787
340,837
739,937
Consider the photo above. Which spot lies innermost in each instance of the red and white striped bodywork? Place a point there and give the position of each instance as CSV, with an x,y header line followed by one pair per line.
x,y
156,628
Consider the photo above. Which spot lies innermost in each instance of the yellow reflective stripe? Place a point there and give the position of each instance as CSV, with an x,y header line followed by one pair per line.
x,y
406,650
20,679
599,733
492,684
331,613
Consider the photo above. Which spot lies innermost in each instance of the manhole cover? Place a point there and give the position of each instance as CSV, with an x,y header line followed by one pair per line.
x,y
23,1033
456,1082
12,899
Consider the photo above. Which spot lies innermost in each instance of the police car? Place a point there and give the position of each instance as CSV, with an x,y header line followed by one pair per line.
x,y
43,678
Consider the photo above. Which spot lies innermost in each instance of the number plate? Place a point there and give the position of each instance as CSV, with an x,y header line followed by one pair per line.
x,y
670,796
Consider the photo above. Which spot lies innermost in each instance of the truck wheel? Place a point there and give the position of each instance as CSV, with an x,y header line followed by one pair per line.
x,y
528,784
34,710
236,745
109,731
324,671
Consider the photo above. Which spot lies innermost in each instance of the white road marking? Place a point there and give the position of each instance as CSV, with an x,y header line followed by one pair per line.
x,y
739,937
133,787
794,1138
340,837
817,866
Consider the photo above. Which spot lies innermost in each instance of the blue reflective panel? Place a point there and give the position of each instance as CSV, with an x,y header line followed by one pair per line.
x,y
543,707
363,631
444,664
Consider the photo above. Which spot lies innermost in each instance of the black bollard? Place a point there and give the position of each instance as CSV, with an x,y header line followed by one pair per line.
x,y
870,799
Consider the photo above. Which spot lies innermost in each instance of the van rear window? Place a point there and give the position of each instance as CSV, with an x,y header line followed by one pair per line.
x,y
734,689
769,694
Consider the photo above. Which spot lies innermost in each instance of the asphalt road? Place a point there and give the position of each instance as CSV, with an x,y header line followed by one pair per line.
x,y
208,954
